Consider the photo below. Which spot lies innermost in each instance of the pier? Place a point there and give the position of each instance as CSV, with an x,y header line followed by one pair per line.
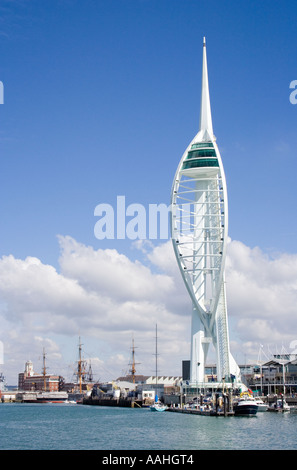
x,y
203,412
133,403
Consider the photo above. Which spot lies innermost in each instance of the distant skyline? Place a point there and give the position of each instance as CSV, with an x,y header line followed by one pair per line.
x,y
100,100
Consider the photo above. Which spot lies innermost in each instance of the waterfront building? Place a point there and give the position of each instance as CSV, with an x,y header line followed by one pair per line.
x,y
199,230
278,375
146,386
162,385
133,378
31,381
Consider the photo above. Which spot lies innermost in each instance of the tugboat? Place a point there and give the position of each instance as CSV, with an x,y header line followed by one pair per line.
x,y
246,405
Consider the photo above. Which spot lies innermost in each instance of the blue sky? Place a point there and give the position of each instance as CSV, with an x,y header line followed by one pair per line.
x,y
101,98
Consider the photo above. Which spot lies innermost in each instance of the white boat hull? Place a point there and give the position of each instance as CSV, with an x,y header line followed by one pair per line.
x,y
158,408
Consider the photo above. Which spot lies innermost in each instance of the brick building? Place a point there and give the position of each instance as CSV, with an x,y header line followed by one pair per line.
x,y
30,381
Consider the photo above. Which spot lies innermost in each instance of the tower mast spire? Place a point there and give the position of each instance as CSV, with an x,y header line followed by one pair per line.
x,y
205,129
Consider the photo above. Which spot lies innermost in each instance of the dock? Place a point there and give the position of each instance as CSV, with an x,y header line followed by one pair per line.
x,y
203,412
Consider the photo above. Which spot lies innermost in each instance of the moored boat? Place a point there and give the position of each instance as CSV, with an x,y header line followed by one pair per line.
x,y
158,407
280,406
261,405
245,406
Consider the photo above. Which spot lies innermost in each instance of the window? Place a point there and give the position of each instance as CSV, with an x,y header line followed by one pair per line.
x,y
201,162
201,153
202,145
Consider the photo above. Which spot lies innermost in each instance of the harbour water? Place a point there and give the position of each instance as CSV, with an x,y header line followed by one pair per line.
x,y
81,427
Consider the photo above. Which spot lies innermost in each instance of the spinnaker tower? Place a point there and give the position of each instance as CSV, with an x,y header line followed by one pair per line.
x,y
199,230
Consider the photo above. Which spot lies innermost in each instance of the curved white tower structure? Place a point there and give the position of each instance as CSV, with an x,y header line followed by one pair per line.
x,y
199,228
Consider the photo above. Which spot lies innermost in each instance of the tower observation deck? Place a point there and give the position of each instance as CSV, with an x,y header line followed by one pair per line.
x,y
199,230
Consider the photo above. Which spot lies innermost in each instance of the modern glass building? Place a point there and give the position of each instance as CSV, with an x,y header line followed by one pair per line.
x,y
199,230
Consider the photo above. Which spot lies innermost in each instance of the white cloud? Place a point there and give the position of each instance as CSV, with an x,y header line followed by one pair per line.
x,y
98,293
105,297
111,273
262,294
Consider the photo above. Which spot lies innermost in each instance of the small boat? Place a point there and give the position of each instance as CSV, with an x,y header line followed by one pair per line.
x,y
245,406
261,405
158,407
280,406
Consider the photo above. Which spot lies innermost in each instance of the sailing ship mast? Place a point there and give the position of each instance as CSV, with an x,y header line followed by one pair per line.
x,y
44,372
133,363
80,367
90,373
83,374
156,354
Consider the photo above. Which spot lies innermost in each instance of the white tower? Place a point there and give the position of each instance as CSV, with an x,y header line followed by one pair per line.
x,y
29,369
199,229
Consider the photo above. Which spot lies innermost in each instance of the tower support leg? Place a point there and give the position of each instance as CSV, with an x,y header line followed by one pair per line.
x,y
199,350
